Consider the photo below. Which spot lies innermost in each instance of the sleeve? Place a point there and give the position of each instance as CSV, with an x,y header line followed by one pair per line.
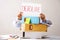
x,y
48,23
17,23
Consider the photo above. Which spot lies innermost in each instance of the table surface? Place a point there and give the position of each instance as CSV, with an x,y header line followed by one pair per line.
x,y
47,38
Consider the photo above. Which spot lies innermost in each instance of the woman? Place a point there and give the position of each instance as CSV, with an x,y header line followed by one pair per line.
x,y
19,21
44,20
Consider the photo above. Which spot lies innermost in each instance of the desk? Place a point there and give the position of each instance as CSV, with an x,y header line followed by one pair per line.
x,y
52,37
34,28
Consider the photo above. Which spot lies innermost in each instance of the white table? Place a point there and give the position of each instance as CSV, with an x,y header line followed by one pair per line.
x,y
47,38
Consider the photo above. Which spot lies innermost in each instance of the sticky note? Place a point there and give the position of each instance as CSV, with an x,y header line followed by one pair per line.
x,y
27,20
22,21
35,20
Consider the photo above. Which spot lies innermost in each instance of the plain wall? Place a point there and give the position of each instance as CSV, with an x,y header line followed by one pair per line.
x,y
10,8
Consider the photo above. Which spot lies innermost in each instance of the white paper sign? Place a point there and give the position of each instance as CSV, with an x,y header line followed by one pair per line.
x,y
30,9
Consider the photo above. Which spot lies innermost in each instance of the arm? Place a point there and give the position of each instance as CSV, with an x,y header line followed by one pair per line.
x,y
18,23
19,19
48,23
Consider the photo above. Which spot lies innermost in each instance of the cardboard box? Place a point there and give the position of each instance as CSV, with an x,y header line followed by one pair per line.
x,y
35,27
